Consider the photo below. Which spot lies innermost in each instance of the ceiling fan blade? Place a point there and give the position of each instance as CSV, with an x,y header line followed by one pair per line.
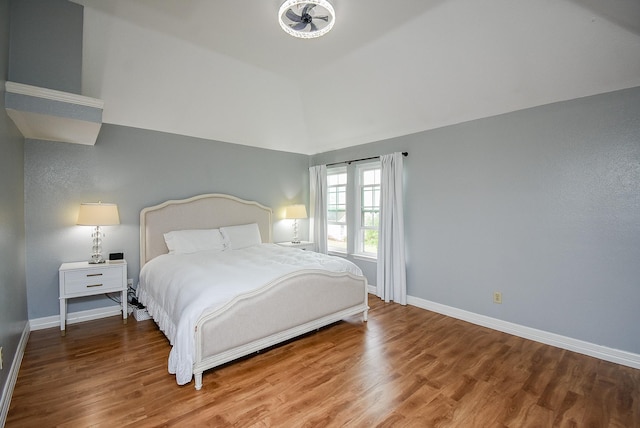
x,y
292,16
299,26
308,7
313,27
324,18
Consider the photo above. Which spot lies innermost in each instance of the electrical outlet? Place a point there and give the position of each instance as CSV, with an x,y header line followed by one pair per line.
x,y
497,297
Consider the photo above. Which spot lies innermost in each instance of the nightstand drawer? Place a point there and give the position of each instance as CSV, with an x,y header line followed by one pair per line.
x,y
95,280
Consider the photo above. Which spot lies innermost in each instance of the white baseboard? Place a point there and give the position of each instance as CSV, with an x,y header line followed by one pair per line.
x,y
75,317
598,351
7,391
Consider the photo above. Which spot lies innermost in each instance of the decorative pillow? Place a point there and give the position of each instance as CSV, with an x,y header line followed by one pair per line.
x,y
237,237
194,240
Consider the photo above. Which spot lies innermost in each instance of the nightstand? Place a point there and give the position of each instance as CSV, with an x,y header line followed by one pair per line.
x,y
81,279
303,245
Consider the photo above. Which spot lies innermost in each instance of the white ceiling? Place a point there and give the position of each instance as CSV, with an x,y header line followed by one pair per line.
x,y
225,70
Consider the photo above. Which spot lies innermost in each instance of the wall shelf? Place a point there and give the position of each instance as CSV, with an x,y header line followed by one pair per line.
x,y
47,114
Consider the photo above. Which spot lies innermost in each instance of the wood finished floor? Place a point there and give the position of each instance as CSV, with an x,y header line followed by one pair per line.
x,y
406,367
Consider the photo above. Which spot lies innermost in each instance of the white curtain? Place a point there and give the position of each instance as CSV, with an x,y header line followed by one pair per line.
x,y
392,275
318,206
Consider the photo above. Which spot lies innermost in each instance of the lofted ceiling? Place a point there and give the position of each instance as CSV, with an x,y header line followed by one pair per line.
x,y
225,70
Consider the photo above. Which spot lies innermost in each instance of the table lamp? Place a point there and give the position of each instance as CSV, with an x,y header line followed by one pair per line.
x,y
97,214
295,212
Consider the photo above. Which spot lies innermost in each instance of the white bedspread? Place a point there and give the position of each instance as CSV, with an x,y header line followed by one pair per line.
x,y
178,289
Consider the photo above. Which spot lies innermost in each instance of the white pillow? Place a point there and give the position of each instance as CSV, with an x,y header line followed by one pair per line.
x,y
194,240
237,237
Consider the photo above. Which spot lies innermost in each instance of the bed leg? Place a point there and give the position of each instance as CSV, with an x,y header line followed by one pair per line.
x,y
365,316
198,377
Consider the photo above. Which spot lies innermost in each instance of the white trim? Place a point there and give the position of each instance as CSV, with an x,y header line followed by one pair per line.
x,y
51,94
597,351
7,391
337,253
75,317
364,258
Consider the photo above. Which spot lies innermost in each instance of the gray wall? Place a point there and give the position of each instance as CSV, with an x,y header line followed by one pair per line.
x,y
46,44
541,204
136,168
13,298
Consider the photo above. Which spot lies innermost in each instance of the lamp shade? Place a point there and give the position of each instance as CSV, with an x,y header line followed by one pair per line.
x,y
295,212
98,214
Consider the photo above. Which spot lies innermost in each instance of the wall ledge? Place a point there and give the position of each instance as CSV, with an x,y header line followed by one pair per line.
x,y
52,94
47,114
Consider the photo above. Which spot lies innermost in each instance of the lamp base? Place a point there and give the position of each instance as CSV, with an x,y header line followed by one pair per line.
x,y
295,239
96,250
96,259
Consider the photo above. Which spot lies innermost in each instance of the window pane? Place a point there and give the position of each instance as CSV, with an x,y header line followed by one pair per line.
x,y
366,198
370,240
337,216
371,176
336,178
370,197
336,198
337,236
370,219
337,209
369,207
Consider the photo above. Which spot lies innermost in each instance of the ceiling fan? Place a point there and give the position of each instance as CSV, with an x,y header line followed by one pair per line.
x,y
306,18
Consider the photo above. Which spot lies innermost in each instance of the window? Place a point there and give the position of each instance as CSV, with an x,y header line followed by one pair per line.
x,y
337,209
369,209
353,208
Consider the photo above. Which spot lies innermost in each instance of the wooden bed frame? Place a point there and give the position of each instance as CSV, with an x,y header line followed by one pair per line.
x,y
280,310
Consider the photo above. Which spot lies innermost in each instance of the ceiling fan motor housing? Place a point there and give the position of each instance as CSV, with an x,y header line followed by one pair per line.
x,y
306,18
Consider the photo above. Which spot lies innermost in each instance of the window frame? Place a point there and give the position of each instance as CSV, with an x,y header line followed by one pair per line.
x,y
353,209
359,228
337,171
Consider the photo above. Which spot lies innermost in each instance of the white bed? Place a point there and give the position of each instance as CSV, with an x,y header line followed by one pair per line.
x,y
288,294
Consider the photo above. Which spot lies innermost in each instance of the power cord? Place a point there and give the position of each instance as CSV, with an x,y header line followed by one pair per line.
x,y
132,300
115,299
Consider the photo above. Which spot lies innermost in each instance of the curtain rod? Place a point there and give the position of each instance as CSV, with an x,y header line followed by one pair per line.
x,y
348,162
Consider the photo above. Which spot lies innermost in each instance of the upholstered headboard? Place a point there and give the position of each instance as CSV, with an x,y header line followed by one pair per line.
x,y
208,211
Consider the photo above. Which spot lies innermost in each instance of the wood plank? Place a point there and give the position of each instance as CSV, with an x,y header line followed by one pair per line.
x,y
405,367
